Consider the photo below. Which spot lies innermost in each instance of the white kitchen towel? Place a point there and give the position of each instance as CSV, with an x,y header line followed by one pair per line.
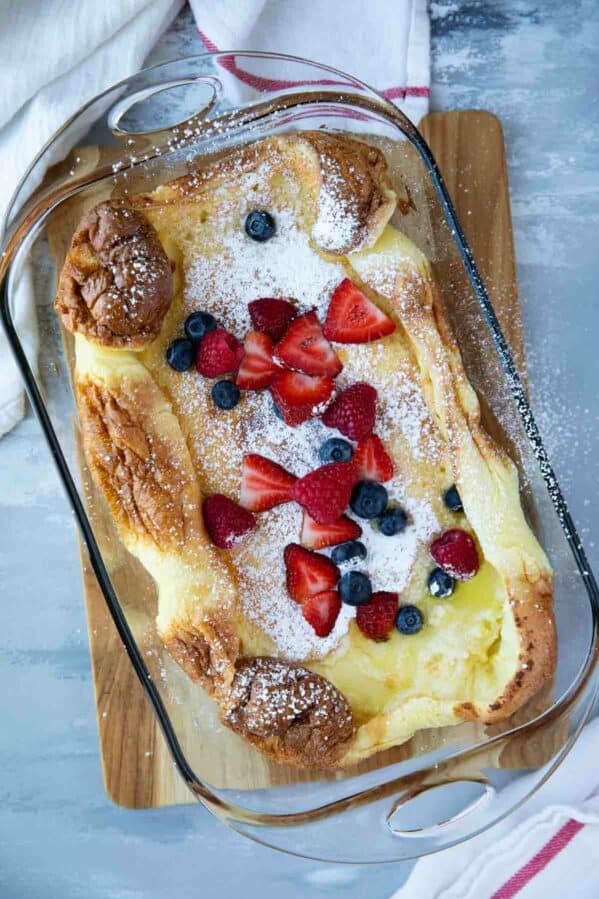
x,y
383,42
547,849
56,54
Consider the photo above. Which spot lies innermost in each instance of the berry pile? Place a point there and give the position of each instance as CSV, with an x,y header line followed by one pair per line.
x,y
291,355
286,352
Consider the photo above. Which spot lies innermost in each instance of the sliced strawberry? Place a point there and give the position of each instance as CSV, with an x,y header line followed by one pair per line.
x,y
321,611
257,367
271,316
226,522
325,493
372,461
317,536
376,618
353,411
305,348
308,572
455,552
264,483
300,396
353,318
218,354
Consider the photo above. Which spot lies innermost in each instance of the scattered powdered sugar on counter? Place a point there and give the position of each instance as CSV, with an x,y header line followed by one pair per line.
x,y
245,270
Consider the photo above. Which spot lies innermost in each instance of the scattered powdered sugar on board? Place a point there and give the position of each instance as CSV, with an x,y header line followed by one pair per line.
x,y
245,270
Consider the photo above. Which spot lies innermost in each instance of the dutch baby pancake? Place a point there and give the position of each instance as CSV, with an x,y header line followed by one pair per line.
x,y
276,411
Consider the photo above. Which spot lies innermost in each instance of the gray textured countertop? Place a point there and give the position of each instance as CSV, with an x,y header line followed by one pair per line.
x,y
535,66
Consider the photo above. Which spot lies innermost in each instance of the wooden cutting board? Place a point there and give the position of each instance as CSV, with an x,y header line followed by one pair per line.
x,y
468,145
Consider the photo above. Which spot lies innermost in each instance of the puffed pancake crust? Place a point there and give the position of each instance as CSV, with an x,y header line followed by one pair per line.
x,y
157,445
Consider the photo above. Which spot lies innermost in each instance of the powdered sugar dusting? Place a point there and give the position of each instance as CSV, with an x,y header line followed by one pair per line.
x,y
337,222
400,403
296,449
394,557
245,270
223,281
265,599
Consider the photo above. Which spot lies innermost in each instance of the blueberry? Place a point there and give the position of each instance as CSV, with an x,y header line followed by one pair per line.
x,y
353,549
335,450
452,500
260,225
197,324
368,499
393,521
355,588
409,620
225,394
440,583
277,412
180,354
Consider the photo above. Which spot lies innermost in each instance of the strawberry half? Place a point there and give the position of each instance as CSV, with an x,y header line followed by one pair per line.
x,y
226,522
321,611
353,411
271,316
317,536
455,552
376,618
257,367
264,483
305,348
218,354
325,493
353,318
300,396
372,461
308,573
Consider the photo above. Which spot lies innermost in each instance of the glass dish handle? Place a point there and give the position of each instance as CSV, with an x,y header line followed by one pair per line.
x,y
210,90
411,818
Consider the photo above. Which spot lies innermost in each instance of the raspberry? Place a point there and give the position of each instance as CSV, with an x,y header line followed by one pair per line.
x,y
325,493
218,354
271,316
376,618
226,522
455,552
353,411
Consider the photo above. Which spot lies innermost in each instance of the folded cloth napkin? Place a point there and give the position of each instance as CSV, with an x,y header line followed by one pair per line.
x,y
56,54
547,849
385,44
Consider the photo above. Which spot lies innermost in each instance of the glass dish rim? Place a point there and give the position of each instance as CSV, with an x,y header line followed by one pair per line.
x,y
386,108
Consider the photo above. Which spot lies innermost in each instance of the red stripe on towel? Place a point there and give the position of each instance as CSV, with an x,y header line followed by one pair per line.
x,y
539,861
394,93
275,84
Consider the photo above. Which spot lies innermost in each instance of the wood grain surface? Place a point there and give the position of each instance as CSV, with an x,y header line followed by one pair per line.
x,y
138,772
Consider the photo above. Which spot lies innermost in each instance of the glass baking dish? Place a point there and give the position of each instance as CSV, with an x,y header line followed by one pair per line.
x,y
443,786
